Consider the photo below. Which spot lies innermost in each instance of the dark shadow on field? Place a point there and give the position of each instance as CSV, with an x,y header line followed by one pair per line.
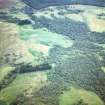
x,y
63,26
27,68
83,71
67,27
83,67
40,4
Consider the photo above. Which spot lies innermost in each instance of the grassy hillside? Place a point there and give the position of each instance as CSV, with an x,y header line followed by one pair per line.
x,y
52,56
79,97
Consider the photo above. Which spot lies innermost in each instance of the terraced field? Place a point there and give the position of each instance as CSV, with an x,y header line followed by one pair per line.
x,y
52,53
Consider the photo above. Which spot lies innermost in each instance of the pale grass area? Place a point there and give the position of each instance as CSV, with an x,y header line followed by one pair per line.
x,y
91,18
88,16
73,95
10,42
40,48
44,38
51,38
19,5
5,70
75,17
103,69
47,13
8,36
22,50
20,15
94,23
